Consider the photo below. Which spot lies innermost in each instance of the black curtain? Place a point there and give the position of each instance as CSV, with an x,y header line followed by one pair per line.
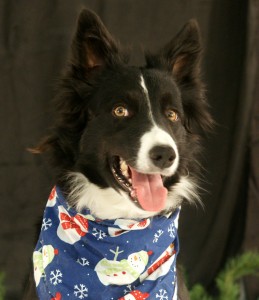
x,y
34,43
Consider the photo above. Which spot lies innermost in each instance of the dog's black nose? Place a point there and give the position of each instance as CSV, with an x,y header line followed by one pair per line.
x,y
162,156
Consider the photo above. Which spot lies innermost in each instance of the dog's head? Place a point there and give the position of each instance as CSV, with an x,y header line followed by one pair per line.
x,y
125,137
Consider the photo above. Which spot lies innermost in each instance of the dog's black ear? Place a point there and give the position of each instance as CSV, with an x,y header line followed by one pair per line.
x,y
181,57
183,53
93,46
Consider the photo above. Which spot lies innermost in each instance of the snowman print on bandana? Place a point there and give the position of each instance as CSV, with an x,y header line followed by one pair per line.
x,y
41,259
124,271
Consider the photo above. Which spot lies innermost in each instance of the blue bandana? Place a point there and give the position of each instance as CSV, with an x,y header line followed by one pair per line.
x,y
81,257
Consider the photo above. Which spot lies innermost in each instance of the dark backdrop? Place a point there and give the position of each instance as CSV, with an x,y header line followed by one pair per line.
x,y
34,43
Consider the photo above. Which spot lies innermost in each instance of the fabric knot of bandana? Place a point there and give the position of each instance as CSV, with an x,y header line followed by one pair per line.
x,y
81,257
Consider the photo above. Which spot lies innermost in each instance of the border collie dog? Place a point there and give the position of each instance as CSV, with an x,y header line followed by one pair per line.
x,y
123,149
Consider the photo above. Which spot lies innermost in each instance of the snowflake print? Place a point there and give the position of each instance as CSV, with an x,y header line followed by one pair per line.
x,y
83,261
80,291
46,224
157,235
99,234
171,230
55,277
162,295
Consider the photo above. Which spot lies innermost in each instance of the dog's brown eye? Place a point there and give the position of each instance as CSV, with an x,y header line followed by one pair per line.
x,y
172,115
120,111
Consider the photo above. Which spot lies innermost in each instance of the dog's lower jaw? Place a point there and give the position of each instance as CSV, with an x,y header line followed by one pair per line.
x,y
107,203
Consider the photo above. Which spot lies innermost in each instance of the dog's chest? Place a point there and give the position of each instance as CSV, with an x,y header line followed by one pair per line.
x,y
79,257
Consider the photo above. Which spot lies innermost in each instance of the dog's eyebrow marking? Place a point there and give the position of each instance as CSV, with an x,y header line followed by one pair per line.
x,y
144,87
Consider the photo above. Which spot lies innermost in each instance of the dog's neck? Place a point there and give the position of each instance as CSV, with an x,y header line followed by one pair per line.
x,y
121,254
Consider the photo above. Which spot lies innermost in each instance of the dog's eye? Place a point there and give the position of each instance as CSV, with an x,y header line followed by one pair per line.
x,y
120,111
172,115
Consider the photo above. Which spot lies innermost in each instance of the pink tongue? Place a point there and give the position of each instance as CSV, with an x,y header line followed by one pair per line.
x,y
150,190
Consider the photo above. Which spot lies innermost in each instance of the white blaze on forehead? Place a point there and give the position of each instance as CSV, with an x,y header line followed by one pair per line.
x,y
143,85
155,137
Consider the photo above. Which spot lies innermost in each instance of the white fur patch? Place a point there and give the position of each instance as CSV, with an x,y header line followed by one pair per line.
x,y
106,203
155,137
186,188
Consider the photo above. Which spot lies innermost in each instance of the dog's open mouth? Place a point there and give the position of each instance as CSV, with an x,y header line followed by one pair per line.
x,y
147,190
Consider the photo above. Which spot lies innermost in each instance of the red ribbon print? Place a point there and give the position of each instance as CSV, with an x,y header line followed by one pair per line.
x,y
68,222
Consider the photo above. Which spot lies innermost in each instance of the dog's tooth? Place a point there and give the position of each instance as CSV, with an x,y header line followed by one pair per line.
x,y
125,173
133,193
123,166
